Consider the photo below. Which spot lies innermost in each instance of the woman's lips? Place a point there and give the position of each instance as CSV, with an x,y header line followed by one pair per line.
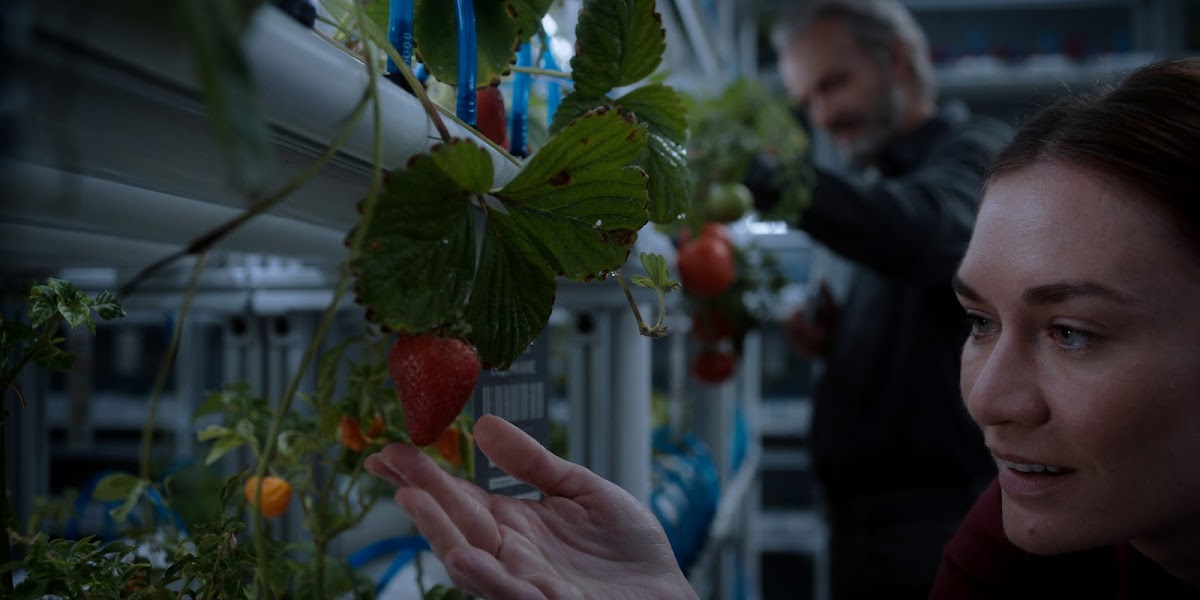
x,y
1021,476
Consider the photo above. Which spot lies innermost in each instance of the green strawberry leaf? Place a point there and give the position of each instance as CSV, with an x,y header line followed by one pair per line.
x,y
619,42
116,486
529,15
573,106
578,203
657,276
512,300
660,107
670,181
418,256
665,160
436,37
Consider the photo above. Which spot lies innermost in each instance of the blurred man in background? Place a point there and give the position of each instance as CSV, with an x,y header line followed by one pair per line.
x,y
896,457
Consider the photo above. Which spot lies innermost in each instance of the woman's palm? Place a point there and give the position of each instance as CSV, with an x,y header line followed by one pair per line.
x,y
587,538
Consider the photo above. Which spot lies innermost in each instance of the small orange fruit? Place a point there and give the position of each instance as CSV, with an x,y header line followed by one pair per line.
x,y
276,495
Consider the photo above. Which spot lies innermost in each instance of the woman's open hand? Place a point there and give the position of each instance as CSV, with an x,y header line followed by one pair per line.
x,y
587,538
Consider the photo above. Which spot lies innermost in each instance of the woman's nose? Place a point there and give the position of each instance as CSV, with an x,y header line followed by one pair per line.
x,y
1001,383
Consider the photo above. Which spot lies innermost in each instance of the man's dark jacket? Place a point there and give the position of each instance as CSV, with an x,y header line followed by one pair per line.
x,y
888,410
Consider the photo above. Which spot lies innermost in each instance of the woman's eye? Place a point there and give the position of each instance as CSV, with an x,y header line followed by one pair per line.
x,y
980,326
1071,338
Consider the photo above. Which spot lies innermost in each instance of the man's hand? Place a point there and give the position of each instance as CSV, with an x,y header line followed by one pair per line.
x,y
588,538
813,335
762,173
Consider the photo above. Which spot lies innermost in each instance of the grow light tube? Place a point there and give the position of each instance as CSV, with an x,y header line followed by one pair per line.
x,y
467,66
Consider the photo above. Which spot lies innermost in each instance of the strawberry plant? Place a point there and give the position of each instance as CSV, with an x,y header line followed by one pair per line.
x,y
728,293
456,271
726,132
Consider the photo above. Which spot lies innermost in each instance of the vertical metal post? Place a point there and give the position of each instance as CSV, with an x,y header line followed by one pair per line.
x,y
630,443
577,394
599,415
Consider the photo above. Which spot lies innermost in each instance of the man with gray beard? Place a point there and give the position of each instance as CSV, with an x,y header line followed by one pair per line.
x,y
896,456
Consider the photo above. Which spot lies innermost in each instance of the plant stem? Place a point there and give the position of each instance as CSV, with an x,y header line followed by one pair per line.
x,y
164,368
542,72
657,330
285,404
319,575
206,241
482,138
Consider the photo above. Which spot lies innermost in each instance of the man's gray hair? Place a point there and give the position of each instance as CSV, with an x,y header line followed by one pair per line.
x,y
874,23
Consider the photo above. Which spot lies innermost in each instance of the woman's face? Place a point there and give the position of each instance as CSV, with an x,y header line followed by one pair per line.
x,y
1083,363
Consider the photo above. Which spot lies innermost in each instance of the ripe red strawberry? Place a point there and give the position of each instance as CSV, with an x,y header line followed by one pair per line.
x,y
713,366
490,118
434,378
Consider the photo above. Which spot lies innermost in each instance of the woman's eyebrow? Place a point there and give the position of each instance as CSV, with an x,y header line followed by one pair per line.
x,y
1054,293
964,290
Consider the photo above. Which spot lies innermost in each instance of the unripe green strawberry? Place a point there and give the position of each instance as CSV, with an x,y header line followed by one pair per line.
x,y
434,378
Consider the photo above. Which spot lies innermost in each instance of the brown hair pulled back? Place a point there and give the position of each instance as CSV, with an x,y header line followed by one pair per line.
x,y
1145,130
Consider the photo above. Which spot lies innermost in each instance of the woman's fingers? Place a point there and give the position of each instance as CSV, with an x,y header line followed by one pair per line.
x,y
467,509
378,465
433,522
483,575
524,458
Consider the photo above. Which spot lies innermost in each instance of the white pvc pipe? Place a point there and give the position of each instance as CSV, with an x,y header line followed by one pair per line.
x,y
631,404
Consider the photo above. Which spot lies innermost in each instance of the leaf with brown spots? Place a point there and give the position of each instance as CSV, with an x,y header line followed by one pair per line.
x,y
416,267
661,108
577,207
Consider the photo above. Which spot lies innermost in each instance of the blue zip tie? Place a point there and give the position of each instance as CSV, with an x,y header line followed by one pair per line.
x,y
518,121
467,67
421,72
400,32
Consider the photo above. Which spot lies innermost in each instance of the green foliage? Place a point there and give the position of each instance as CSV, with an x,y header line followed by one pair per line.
x,y
529,15
436,35
728,130
500,27
414,272
574,210
620,42
578,203
658,278
50,304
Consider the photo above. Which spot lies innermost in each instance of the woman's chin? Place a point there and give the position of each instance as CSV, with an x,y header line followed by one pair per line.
x,y
1041,534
